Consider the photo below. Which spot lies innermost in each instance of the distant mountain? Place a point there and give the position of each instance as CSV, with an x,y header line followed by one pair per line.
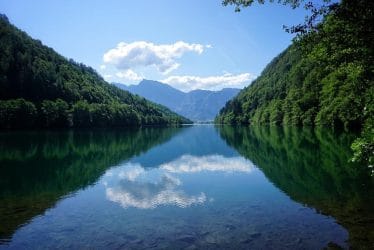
x,y
41,89
197,105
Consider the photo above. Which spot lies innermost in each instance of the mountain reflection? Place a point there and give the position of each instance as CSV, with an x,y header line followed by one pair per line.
x,y
39,168
313,168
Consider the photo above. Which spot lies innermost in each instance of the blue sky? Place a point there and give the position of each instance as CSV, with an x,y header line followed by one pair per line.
x,y
188,44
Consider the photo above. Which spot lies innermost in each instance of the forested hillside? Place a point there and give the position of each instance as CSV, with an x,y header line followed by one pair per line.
x,y
41,89
324,78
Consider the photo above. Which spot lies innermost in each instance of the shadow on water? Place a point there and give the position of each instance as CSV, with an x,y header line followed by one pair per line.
x,y
313,168
39,168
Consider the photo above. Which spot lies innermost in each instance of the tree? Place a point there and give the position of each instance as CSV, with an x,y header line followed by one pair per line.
x,y
17,113
81,115
55,114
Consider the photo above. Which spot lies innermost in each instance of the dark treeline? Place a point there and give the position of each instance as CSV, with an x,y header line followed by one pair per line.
x,y
312,166
324,78
40,88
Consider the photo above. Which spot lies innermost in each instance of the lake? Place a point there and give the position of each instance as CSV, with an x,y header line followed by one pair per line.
x,y
194,187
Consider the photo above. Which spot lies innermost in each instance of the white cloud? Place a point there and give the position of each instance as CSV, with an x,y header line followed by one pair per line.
x,y
103,66
129,75
143,54
193,164
227,80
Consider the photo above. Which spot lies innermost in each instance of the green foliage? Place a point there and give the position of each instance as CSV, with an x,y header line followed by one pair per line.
x,y
324,78
247,3
81,114
363,147
55,113
60,90
17,113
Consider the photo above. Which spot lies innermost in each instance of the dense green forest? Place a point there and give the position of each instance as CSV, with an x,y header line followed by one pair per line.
x,y
325,78
41,89
312,166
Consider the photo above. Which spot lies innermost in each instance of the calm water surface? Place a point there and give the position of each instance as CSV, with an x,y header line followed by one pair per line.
x,y
198,187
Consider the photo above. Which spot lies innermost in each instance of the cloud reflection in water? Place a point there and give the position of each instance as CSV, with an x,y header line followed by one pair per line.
x,y
193,164
135,186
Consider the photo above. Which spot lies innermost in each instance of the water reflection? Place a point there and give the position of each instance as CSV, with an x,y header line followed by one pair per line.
x,y
200,187
132,186
39,168
313,168
193,164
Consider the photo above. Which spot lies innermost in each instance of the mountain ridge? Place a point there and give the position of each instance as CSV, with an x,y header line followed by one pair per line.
x,y
197,105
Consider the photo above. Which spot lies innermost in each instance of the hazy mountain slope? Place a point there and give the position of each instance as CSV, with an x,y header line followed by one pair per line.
x,y
156,91
197,105
40,88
